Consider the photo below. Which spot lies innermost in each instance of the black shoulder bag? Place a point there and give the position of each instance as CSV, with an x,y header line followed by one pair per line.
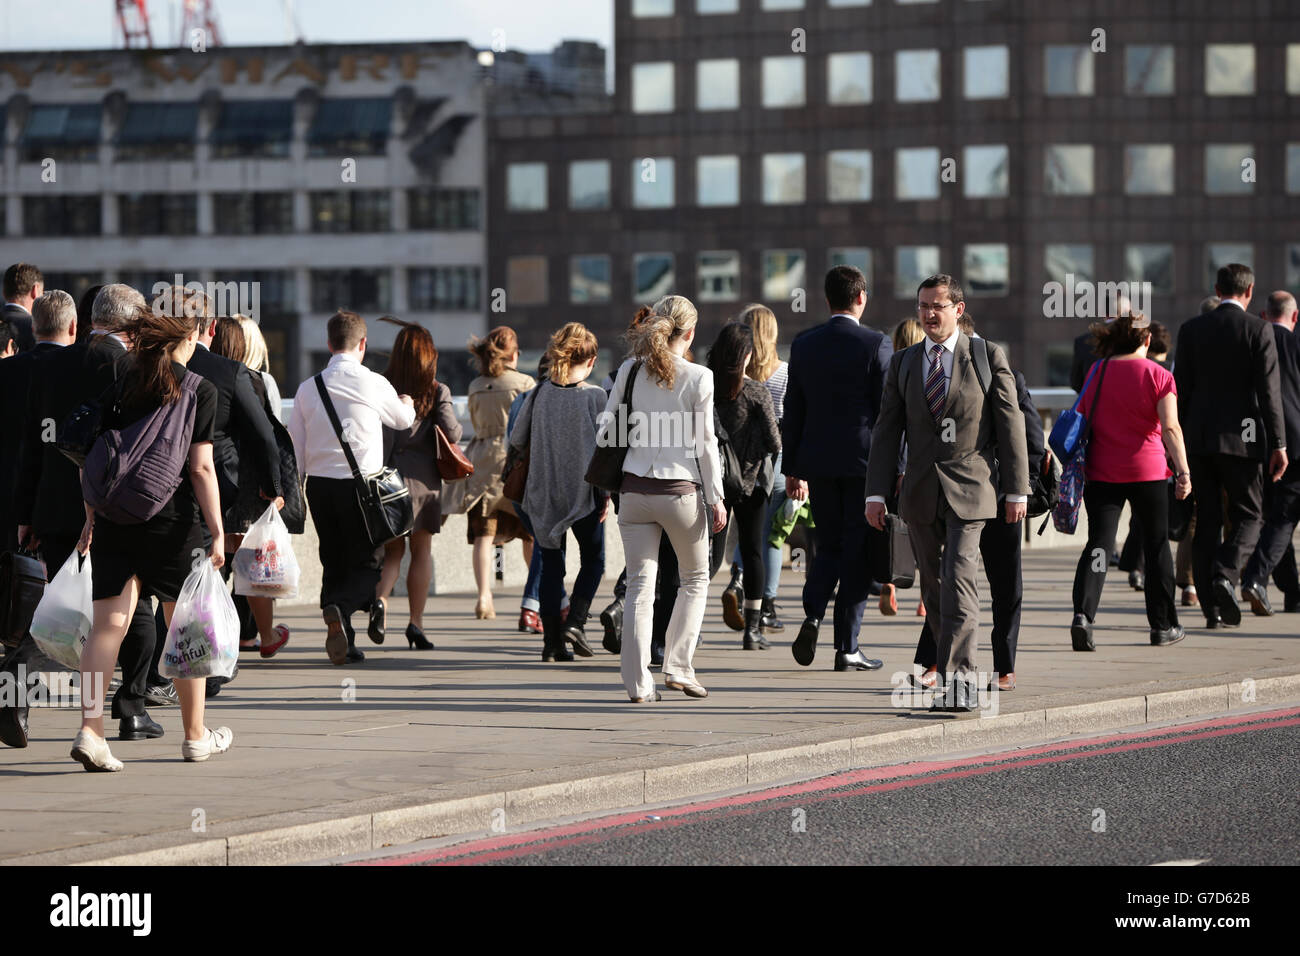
x,y
606,468
384,498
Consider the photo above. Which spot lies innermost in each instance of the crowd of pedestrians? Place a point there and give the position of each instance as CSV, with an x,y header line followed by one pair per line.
x,y
925,435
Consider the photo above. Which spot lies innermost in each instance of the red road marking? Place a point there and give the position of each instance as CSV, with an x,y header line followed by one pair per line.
x,y
895,777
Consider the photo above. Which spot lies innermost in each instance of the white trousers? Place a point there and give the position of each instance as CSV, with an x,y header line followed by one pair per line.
x,y
641,520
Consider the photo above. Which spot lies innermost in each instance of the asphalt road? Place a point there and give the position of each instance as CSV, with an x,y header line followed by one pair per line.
x,y
1220,791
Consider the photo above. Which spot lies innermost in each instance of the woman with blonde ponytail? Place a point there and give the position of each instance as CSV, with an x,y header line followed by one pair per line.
x,y
672,484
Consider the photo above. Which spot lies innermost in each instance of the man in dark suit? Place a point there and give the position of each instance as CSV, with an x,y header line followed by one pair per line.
x,y
1274,554
831,403
1000,547
965,449
1230,407
23,285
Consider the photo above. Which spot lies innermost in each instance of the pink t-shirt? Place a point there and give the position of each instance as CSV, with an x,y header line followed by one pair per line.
x,y
1126,438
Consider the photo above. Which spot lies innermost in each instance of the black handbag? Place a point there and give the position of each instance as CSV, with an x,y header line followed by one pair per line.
x,y
901,571
1045,487
385,501
605,471
22,583
78,432
252,505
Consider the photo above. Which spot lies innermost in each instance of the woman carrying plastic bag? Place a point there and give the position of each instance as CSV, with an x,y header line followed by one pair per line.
x,y
203,637
265,565
62,620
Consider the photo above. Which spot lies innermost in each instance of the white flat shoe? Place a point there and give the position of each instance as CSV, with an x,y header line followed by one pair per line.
x,y
214,742
92,753
690,689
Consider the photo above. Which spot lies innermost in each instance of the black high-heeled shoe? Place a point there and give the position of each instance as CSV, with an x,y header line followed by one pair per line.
x,y
416,639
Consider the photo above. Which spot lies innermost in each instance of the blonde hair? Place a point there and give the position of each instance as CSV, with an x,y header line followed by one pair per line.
x,y
572,345
256,355
908,332
494,350
670,318
764,361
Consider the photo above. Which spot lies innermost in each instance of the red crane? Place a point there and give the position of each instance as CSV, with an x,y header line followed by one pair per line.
x,y
133,18
200,15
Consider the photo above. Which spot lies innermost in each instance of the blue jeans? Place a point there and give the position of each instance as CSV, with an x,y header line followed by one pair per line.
x,y
772,556
589,531
532,599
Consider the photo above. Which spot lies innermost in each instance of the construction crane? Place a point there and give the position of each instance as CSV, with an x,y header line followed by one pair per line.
x,y
133,18
199,15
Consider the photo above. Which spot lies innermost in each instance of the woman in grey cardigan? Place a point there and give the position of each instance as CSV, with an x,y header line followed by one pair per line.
x,y
557,425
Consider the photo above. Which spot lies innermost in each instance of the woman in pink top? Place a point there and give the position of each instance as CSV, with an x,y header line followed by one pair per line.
x,y
1135,433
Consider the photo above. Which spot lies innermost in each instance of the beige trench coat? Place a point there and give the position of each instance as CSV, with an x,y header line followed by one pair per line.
x,y
489,409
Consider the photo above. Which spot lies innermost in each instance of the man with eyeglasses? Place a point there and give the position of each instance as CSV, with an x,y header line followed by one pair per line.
x,y
934,396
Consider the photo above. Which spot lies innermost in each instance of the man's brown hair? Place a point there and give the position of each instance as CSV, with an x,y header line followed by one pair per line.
x,y
345,330
19,280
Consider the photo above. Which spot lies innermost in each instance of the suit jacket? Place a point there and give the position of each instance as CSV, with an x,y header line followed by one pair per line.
x,y
48,491
964,470
21,320
15,380
242,427
1225,366
1084,356
1288,364
832,399
1035,446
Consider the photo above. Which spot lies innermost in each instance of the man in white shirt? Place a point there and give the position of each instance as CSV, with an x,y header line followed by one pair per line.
x,y
364,402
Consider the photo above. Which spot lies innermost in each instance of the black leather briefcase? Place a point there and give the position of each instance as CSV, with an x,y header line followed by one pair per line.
x,y
22,583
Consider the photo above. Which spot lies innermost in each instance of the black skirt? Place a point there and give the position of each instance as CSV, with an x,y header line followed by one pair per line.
x,y
161,555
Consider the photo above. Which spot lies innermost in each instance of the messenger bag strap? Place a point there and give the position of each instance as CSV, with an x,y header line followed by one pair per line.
x,y
1101,380
338,429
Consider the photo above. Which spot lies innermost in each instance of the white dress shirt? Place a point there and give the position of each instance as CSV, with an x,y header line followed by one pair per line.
x,y
848,316
365,401
1232,302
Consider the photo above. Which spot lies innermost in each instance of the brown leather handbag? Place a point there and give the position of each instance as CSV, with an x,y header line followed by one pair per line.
x,y
452,463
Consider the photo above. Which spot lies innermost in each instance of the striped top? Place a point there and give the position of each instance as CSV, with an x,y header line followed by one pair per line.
x,y
776,388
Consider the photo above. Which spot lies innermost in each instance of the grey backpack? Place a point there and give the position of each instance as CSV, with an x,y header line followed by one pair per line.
x,y
132,472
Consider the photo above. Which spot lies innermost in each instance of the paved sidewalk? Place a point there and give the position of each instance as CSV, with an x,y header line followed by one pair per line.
x,y
482,717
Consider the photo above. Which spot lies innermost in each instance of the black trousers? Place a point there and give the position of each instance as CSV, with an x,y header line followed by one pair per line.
x,y
1274,553
839,513
349,566
1242,480
750,513
1000,548
1150,502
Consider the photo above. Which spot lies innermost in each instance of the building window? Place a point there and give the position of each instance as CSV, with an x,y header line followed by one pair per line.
x,y
1292,266
858,257
589,184
525,187
1068,71
652,87
717,85
717,276
1151,262
848,78
273,291
1225,168
1068,259
1220,254
589,279
1229,69
1293,69
653,183
986,174
434,208
782,4
783,82
526,280
707,7
1149,170
252,128
653,276
61,216
783,178
62,132
157,214
357,290
158,131
76,284
1149,70
443,289
783,272
916,173
252,214
916,76
986,72
652,8
350,127
1293,168
911,265
1067,170
351,210
848,3
986,269
717,181
848,175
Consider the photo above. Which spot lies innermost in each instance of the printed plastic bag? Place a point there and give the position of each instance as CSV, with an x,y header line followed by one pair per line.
x,y
265,565
62,620
203,639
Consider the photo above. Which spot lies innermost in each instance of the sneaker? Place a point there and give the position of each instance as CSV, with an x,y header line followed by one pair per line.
x,y
92,752
281,639
213,742
336,638
1190,598
162,695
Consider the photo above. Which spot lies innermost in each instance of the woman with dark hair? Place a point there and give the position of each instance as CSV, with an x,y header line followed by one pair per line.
x,y
1134,429
745,412
153,556
492,519
413,370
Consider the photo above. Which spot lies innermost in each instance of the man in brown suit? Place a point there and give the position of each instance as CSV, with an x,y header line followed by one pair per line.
x,y
956,410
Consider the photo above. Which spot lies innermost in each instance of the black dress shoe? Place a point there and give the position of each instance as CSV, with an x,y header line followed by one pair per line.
x,y
1213,620
354,655
1291,604
656,655
857,661
162,695
1257,595
1226,601
1168,635
139,727
611,619
13,726
1081,634
805,645
1136,581
960,696
378,617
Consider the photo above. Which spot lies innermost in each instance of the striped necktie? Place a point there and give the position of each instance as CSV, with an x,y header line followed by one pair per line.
x,y
934,392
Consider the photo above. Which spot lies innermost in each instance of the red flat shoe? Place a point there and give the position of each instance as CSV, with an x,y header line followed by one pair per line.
x,y
281,639
529,621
